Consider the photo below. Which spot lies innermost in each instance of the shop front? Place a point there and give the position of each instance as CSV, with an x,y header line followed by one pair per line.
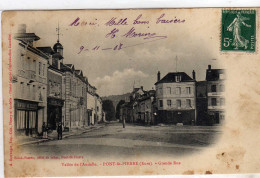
x,y
54,112
26,117
187,117
216,117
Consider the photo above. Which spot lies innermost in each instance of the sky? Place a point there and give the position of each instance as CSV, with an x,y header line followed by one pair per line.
x,y
192,45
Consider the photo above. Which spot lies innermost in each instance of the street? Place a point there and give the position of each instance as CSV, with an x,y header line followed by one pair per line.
x,y
112,140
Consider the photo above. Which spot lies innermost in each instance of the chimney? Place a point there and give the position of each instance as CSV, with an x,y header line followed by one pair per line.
x,y
158,76
193,75
22,28
209,67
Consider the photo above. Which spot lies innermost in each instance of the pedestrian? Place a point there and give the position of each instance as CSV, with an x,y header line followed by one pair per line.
x,y
59,130
123,122
44,130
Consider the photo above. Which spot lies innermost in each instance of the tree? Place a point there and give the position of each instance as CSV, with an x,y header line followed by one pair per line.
x,y
109,109
118,108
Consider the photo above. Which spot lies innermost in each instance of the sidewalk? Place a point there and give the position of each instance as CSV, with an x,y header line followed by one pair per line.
x,y
25,140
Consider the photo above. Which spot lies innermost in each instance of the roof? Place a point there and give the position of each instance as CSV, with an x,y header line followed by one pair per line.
x,y
46,49
79,72
147,95
65,67
214,74
57,45
34,50
21,36
171,78
71,66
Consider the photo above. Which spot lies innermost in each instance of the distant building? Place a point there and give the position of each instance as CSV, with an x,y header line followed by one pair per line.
x,y
215,93
139,107
99,109
146,107
29,84
130,110
176,98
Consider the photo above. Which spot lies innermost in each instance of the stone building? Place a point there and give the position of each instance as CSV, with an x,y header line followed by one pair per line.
x,y
29,84
202,103
146,107
130,109
176,98
55,96
139,107
215,93
71,100
81,94
91,104
99,109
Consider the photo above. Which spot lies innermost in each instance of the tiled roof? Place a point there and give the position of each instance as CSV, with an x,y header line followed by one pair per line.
x,y
170,78
46,49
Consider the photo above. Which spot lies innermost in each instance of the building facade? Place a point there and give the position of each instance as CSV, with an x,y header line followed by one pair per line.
x,y
215,94
202,103
99,109
55,96
146,112
91,106
29,83
176,98
139,107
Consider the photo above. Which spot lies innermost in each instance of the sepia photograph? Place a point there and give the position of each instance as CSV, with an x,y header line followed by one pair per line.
x,y
132,88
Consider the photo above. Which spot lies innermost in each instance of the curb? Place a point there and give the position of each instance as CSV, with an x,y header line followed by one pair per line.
x,y
52,139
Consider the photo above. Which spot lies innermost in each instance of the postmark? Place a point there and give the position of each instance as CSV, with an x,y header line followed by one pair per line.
x,y
238,30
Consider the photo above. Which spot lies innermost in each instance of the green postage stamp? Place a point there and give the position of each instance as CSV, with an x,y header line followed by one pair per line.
x,y
238,32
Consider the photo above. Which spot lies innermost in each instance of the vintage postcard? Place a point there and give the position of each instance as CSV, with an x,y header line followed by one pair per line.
x,y
131,92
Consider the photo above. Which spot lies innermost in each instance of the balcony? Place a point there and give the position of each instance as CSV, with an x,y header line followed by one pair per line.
x,y
215,93
218,107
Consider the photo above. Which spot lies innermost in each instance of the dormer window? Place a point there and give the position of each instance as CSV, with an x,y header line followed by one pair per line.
x,y
221,76
177,78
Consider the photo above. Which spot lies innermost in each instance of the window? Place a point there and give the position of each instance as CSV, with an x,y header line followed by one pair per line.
x,y
43,69
178,103
40,66
222,101
34,65
221,76
188,103
168,90
178,78
97,108
169,103
188,90
213,88
221,88
160,91
34,92
178,90
213,101
161,103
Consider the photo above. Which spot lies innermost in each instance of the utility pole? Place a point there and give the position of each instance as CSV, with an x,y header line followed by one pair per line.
x,y
176,59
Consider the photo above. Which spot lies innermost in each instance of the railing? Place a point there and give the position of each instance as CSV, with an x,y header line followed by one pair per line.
x,y
215,93
220,107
